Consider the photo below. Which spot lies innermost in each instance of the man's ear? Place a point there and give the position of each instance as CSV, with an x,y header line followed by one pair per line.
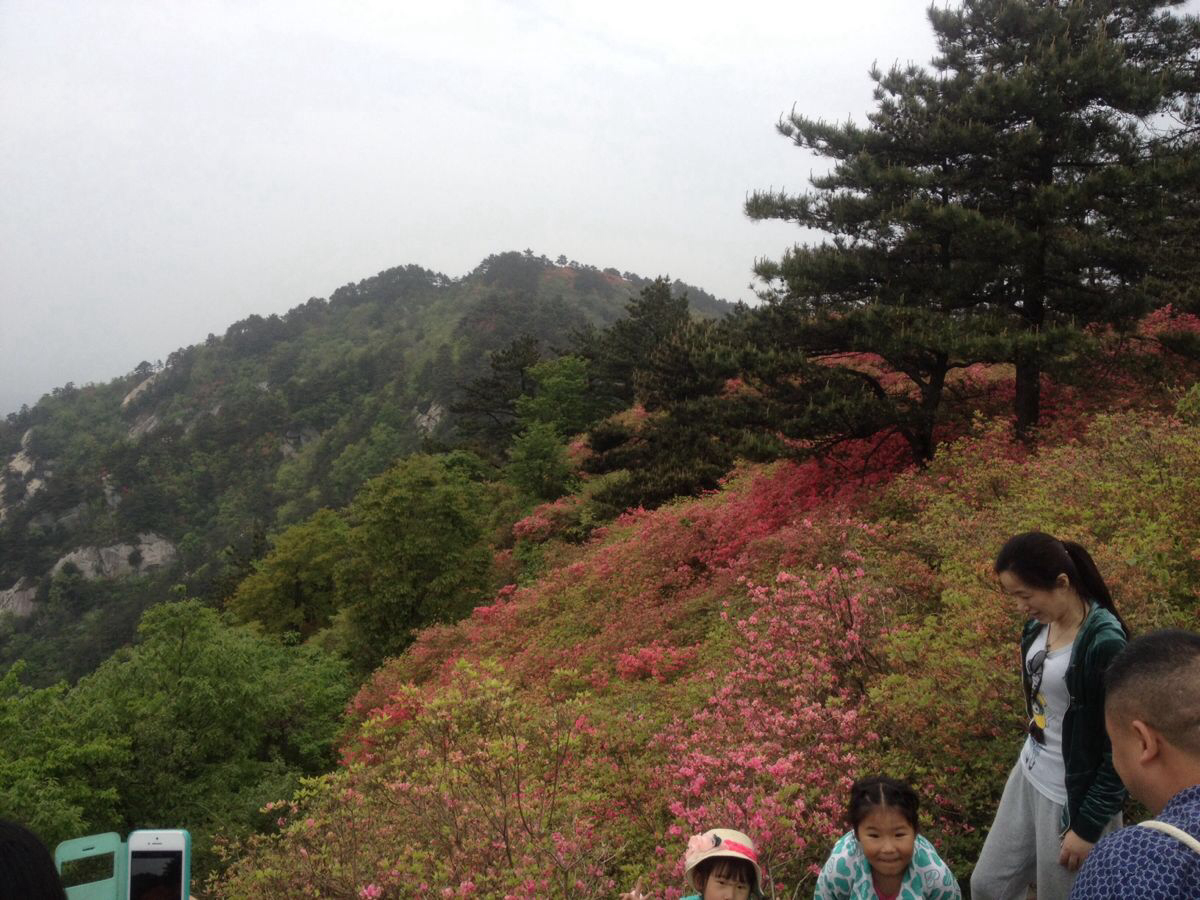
x,y
1151,741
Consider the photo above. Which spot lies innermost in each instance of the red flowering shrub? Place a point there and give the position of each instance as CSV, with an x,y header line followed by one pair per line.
x,y
656,660
548,520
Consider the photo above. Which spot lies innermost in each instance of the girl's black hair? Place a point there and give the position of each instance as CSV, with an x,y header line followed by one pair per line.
x,y
1038,559
726,867
867,794
27,870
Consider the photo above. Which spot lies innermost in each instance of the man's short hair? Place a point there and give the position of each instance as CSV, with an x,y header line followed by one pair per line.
x,y
1156,678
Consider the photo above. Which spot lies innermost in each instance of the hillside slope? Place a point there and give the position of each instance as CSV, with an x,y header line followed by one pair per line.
x,y
738,660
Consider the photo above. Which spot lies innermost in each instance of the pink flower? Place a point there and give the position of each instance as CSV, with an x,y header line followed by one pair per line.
x,y
371,892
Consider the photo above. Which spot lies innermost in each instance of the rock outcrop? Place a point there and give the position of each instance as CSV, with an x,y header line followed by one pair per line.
x,y
18,599
143,426
23,466
139,390
118,560
428,421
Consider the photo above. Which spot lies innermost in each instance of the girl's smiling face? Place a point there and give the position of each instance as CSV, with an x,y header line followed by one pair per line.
x,y
887,840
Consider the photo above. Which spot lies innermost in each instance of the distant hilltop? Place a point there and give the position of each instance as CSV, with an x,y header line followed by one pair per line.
x,y
174,473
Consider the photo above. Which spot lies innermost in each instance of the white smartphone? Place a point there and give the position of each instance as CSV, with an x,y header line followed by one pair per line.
x,y
159,865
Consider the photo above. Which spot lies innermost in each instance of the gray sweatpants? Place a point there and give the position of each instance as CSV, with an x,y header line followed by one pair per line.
x,y
1023,845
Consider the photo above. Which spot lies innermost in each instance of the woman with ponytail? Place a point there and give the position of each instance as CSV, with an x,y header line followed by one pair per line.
x,y
1063,793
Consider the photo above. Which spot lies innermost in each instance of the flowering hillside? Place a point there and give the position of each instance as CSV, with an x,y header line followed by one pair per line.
x,y
738,660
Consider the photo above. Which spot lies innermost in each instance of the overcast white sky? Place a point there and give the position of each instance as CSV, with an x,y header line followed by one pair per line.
x,y
167,168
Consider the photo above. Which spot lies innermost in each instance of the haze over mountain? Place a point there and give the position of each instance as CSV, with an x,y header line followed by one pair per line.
x,y
167,174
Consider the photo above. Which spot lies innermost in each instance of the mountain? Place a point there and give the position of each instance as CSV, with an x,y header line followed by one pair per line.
x,y
168,480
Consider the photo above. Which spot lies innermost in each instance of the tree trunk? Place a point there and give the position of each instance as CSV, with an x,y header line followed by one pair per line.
x,y
920,436
1029,393
1028,360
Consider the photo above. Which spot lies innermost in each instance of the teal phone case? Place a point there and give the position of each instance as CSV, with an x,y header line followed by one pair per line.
x,y
187,860
111,888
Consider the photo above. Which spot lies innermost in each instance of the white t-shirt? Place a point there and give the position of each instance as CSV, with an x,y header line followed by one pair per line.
x,y
1043,763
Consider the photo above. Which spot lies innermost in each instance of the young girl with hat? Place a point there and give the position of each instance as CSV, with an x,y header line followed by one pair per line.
x,y
720,864
883,856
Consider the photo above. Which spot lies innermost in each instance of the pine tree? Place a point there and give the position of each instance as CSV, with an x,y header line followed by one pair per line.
x,y
988,210
615,354
487,406
891,285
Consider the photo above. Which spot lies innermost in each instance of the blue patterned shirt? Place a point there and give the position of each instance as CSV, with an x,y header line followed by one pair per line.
x,y
1143,863
847,874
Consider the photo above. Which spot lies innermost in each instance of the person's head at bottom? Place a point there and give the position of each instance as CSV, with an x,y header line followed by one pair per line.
x,y
883,813
722,864
1152,712
27,870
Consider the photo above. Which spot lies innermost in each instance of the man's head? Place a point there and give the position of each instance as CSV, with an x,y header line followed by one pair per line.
x,y
1152,710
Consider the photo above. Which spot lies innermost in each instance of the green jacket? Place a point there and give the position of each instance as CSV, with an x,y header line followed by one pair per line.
x,y
1094,790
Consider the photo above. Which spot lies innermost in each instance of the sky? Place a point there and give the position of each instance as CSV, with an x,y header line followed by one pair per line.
x,y
168,168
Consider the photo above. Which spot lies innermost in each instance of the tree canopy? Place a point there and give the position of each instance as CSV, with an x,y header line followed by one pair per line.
x,y
418,554
988,209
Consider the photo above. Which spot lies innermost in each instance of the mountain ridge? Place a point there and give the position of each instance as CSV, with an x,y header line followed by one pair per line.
x,y
247,432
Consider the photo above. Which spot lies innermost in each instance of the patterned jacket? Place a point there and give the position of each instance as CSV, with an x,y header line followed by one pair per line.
x,y
847,874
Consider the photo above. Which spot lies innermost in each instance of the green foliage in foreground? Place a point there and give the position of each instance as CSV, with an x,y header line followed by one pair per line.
x,y
55,776
197,725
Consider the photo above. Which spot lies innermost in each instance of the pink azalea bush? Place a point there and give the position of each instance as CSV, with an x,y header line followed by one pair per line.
x,y
775,747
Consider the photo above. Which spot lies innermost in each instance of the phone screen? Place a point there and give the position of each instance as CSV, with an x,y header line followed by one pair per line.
x,y
156,875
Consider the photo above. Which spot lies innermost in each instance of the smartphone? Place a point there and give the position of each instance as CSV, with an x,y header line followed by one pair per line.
x,y
160,865
92,867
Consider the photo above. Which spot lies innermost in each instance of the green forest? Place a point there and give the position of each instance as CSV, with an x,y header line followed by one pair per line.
x,y
452,586
195,462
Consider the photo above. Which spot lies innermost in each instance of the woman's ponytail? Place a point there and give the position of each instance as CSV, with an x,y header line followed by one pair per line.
x,y
1090,583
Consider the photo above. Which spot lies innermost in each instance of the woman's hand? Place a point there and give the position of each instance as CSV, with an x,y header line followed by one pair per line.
x,y
635,894
1074,851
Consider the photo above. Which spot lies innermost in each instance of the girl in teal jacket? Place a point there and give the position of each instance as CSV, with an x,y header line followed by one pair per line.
x,y
883,856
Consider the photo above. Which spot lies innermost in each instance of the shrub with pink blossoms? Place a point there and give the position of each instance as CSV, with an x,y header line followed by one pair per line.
x,y
472,791
656,660
776,746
